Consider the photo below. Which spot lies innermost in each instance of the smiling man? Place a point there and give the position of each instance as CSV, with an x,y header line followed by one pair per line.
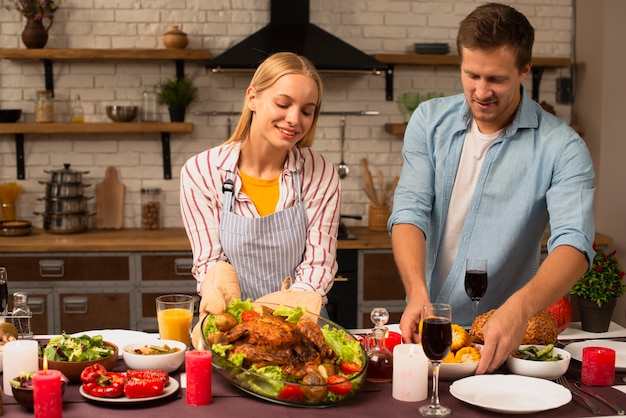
x,y
484,173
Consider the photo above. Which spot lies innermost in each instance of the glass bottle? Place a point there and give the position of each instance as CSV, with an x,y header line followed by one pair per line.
x,y
78,114
21,315
151,208
44,107
380,366
4,291
149,110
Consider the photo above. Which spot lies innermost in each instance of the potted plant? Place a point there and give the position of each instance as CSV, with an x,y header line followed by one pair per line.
x,y
177,94
598,290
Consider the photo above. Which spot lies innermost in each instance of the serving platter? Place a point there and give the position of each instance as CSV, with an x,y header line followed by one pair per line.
x,y
510,394
576,350
170,389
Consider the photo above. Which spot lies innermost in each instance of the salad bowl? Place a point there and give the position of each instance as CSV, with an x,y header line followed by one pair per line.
x,y
290,391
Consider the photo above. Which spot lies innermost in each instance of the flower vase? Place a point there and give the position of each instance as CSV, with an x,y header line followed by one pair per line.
x,y
35,34
595,318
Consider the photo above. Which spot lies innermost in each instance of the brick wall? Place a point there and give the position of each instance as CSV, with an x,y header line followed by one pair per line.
x,y
383,26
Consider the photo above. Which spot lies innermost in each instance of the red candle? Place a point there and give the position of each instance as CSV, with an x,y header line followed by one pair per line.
x,y
598,368
47,394
198,370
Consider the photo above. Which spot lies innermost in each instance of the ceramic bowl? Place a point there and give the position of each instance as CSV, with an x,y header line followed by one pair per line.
x,y
24,396
73,369
10,115
122,113
166,362
454,371
542,369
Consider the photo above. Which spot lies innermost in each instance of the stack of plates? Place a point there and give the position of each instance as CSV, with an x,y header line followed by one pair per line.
x,y
431,48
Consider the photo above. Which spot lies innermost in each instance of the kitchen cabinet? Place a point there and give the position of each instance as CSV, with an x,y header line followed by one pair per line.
x,y
342,298
179,56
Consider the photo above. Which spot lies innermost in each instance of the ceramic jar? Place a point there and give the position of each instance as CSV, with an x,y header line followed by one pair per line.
x,y
175,39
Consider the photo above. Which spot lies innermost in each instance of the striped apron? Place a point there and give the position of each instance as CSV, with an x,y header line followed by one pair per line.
x,y
263,250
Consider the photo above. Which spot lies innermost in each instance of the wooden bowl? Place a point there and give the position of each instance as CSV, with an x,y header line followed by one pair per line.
x,y
73,369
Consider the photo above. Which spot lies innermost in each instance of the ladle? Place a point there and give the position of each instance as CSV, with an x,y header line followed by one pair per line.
x,y
342,168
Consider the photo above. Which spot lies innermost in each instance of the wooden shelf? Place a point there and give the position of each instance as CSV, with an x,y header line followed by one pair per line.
x,y
105,54
399,128
91,128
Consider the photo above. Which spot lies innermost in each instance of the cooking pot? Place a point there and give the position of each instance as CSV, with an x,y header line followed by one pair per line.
x,y
57,205
64,189
65,224
66,175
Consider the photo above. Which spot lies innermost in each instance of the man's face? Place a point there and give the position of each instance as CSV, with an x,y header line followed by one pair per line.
x,y
491,83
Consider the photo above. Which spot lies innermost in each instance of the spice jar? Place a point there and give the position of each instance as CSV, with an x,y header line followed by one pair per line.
x,y
22,315
149,110
44,107
151,208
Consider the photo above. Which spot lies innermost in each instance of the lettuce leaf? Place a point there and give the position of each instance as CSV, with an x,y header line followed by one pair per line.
x,y
292,315
346,349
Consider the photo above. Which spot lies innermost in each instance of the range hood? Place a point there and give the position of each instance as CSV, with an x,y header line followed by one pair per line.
x,y
290,30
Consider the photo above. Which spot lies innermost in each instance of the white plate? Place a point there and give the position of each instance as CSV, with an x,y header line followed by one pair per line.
x,y
576,350
119,337
510,394
169,389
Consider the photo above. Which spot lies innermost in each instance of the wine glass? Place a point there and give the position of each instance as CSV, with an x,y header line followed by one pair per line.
x,y
4,291
410,100
476,281
436,341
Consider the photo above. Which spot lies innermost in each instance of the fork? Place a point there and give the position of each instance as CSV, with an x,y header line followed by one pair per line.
x,y
593,407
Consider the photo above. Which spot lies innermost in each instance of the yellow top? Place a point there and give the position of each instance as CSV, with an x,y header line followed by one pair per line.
x,y
263,193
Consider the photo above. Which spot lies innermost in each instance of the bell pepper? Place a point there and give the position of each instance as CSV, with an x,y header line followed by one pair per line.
x,y
99,382
143,388
149,375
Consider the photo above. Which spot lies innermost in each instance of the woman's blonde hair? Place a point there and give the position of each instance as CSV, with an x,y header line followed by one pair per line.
x,y
270,70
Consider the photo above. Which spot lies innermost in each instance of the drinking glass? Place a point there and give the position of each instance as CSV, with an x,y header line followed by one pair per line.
x,y
476,281
174,315
436,341
410,100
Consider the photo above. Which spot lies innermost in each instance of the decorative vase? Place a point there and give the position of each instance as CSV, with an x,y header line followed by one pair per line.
x,y
595,318
175,39
177,113
35,34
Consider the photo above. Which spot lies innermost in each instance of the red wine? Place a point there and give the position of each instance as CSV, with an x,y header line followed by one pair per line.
x,y
476,283
436,337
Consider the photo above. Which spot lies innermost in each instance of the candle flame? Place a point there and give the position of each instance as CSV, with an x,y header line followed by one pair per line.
x,y
45,362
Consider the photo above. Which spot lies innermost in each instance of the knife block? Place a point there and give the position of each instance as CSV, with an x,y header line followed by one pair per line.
x,y
378,217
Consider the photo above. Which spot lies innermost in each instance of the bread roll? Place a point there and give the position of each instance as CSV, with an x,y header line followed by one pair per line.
x,y
542,329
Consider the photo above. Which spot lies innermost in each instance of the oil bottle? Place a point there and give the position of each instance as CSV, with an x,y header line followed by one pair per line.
x,y
380,365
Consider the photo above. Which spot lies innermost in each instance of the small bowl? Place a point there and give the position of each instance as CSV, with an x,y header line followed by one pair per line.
x,y
454,371
166,362
24,396
122,113
73,369
10,115
542,369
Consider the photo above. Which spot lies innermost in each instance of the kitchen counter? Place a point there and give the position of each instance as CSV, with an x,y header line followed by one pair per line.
x,y
168,239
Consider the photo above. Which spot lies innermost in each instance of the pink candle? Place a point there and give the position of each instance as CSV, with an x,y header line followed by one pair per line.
x,y
198,370
598,368
47,394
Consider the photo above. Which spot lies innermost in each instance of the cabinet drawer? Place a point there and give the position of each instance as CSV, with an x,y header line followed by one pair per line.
x,y
166,267
86,311
67,268
381,279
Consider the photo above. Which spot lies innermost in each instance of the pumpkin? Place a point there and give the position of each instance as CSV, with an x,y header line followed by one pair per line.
x,y
561,310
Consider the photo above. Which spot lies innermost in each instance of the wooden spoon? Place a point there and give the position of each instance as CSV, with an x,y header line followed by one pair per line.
x,y
369,188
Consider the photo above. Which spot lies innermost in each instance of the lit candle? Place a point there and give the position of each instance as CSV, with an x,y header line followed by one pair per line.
x,y
47,394
598,366
198,370
18,356
410,373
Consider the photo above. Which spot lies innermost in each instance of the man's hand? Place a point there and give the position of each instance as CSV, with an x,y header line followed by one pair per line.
x,y
409,323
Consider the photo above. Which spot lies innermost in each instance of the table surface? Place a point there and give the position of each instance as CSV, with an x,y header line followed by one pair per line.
x,y
374,400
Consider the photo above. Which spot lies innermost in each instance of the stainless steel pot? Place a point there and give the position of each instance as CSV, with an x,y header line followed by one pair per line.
x,y
66,175
64,189
65,224
67,206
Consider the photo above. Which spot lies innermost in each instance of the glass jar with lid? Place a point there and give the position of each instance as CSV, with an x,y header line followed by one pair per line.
x,y
151,208
44,107
21,315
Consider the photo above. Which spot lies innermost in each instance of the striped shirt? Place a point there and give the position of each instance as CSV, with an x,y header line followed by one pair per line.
x,y
201,200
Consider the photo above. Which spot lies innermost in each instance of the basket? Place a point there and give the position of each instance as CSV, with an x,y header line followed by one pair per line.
x,y
378,217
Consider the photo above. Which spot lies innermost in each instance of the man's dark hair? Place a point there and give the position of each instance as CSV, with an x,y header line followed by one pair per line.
x,y
493,25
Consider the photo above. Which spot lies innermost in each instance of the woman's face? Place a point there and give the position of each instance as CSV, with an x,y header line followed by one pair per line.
x,y
283,113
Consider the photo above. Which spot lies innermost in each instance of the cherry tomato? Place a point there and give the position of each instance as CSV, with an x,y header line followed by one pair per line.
x,y
248,315
291,393
350,367
339,385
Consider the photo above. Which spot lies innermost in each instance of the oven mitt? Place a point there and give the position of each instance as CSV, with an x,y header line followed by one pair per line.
x,y
219,287
310,300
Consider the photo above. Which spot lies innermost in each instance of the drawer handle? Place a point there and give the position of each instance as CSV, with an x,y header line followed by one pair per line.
x,y
51,268
182,266
341,278
36,305
75,305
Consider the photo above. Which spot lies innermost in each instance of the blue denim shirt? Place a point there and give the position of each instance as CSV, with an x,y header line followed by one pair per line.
x,y
539,171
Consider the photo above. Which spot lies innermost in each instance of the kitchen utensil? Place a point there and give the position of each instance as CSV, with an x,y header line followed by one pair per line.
x,y
599,397
66,175
122,113
64,189
56,205
15,228
592,406
343,168
65,223
110,201
369,188
10,115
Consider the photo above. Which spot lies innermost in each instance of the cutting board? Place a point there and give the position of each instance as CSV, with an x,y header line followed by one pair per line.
x,y
110,201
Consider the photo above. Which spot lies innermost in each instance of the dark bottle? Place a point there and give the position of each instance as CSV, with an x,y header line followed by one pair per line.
x,y
4,291
380,365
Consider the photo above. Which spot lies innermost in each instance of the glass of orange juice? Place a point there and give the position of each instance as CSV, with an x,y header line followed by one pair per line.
x,y
174,315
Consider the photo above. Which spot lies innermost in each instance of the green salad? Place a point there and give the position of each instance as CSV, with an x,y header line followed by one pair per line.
x,y
74,349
